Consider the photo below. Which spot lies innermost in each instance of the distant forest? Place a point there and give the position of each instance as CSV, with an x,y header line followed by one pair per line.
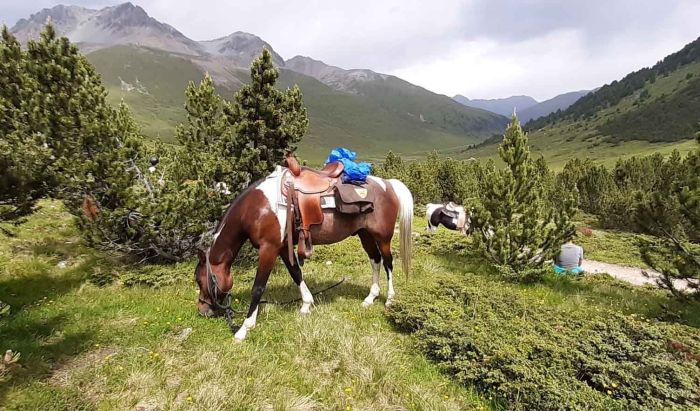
x,y
666,119
611,94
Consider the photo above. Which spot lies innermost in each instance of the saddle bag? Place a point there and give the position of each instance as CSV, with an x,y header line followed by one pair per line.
x,y
353,199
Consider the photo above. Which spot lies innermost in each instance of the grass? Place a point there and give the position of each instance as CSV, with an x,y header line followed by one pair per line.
x,y
86,346
609,246
115,347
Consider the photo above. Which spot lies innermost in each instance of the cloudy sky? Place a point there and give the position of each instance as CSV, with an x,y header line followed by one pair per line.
x,y
478,48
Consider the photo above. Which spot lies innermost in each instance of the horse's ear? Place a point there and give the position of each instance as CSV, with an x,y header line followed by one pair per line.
x,y
201,255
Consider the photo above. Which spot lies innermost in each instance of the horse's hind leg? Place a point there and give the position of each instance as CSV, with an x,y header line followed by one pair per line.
x,y
267,257
295,271
388,259
375,259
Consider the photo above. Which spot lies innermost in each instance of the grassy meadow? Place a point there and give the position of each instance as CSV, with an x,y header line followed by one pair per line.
x,y
93,336
111,346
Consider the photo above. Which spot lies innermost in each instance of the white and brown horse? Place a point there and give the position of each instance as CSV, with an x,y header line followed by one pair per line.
x,y
259,215
450,215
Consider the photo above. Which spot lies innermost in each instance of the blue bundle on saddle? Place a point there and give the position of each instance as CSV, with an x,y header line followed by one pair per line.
x,y
353,172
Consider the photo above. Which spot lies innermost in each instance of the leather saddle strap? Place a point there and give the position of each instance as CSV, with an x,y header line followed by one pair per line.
x,y
290,222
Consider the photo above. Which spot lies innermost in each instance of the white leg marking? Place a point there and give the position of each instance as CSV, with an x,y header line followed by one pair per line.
x,y
306,297
374,289
391,293
248,324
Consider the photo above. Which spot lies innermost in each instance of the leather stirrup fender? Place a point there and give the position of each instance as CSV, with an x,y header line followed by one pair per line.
x,y
290,223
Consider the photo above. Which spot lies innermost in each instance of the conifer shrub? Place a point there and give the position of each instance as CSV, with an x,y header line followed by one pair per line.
x,y
534,356
223,148
60,138
435,179
519,224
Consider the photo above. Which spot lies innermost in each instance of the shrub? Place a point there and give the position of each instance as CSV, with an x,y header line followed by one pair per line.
x,y
534,357
519,225
435,179
224,147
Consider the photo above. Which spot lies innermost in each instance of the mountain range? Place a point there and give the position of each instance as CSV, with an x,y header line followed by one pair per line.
x,y
148,64
526,107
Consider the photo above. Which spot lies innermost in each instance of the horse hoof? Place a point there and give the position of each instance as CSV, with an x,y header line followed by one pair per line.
x,y
366,304
305,311
388,303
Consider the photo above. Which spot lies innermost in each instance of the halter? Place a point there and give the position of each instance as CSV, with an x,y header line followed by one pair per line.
x,y
214,290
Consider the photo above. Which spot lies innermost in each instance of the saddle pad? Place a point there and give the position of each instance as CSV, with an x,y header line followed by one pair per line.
x,y
353,198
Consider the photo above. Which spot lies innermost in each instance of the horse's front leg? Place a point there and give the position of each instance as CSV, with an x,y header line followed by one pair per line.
x,y
295,271
266,260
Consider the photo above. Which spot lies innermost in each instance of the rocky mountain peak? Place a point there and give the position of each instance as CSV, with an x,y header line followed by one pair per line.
x,y
336,77
121,24
242,47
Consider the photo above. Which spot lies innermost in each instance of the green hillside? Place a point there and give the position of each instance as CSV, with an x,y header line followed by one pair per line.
x,y
406,99
373,123
659,115
159,106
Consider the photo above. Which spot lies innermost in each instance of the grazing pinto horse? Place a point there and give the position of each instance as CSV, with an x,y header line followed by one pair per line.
x,y
259,214
452,216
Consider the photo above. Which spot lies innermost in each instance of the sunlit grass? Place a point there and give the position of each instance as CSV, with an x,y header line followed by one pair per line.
x,y
116,347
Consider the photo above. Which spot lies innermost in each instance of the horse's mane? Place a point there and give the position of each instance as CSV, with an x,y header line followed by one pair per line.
x,y
236,200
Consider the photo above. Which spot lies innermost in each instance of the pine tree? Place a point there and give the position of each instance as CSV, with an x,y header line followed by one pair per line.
x,y
205,134
223,148
518,229
393,166
268,122
22,152
80,128
676,253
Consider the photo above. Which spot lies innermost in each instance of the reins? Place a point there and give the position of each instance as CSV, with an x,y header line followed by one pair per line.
x,y
214,292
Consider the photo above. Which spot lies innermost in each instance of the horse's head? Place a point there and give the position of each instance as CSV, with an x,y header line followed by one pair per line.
x,y
215,283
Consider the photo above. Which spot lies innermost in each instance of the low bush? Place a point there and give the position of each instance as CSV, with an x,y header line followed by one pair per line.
x,y
535,356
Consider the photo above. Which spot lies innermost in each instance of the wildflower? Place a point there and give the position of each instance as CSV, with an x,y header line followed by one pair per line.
x,y
348,390
179,318
189,398
446,397
609,392
614,385
249,379
97,345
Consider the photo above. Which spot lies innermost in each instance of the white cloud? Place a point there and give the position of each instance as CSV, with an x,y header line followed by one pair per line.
x,y
557,61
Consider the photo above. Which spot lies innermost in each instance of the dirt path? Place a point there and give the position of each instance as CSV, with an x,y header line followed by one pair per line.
x,y
632,275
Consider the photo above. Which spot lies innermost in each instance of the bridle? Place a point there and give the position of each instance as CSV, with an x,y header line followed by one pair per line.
x,y
214,289
214,293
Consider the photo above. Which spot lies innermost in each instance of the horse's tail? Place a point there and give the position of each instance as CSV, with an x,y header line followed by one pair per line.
x,y
405,223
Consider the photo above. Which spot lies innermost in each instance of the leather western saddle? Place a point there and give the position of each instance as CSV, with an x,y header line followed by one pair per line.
x,y
303,191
